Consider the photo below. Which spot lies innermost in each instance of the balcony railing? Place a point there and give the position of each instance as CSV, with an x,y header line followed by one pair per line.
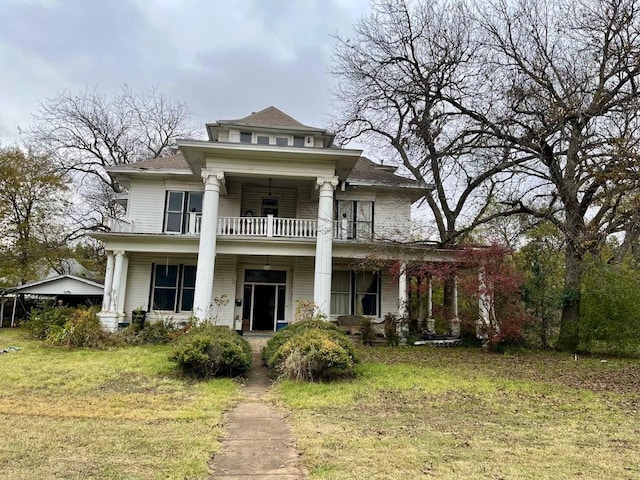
x,y
268,226
119,225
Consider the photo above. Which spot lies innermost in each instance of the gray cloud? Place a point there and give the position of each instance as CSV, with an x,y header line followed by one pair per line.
x,y
225,59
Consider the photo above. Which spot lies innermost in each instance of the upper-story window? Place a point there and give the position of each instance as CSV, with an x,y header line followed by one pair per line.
x,y
245,137
354,219
282,141
183,212
262,139
298,141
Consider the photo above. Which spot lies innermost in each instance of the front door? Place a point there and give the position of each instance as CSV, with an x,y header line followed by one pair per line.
x,y
264,307
264,298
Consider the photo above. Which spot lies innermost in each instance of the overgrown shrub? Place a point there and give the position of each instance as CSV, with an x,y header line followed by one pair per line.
x,y
153,333
610,308
310,350
208,351
82,330
314,354
391,329
282,336
43,318
367,331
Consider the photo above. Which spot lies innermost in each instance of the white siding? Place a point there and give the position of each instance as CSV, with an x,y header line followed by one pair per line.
x,y
224,283
389,295
303,273
252,200
307,206
146,206
392,216
229,205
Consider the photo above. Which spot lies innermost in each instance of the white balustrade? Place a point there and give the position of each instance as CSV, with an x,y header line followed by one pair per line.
x,y
195,222
269,226
117,225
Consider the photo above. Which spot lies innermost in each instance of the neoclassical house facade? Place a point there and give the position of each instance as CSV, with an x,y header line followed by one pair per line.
x,y
264,213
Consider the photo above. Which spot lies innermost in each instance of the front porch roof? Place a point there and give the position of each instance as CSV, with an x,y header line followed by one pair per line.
x,y
196,152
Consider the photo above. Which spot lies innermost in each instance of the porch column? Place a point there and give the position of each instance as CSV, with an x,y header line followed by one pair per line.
x,y
324,245
116,281
207,246
122,287
403,310
431,322
108,283
483,324
455,321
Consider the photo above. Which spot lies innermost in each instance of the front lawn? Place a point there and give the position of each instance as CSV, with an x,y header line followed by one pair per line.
x,y
461,413
119,414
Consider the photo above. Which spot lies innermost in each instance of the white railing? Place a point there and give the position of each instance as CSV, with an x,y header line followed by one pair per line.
x,y
268,226
119,226
194,222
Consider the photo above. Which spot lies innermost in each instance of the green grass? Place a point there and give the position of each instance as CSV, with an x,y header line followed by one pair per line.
x,y
461,413
118,414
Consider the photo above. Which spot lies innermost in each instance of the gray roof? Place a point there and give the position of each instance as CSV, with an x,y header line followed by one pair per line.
x,y
172,162
365,172
271,117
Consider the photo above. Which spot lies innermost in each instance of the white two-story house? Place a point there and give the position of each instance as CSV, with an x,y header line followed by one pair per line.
x,y
264,213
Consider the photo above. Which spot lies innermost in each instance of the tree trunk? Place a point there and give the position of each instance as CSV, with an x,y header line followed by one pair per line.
x,y
570,320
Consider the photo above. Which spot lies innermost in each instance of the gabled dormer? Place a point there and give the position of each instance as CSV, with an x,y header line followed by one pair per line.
x,y
269,127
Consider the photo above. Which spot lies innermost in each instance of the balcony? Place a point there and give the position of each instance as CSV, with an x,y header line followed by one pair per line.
x,y
257,227
268,226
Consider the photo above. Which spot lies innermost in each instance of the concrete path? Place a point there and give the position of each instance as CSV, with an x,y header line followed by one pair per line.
x,y
258,443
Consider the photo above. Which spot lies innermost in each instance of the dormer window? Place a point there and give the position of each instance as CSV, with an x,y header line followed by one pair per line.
x,y
245,137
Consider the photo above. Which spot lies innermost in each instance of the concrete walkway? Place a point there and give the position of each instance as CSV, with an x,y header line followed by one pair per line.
x,y
258,443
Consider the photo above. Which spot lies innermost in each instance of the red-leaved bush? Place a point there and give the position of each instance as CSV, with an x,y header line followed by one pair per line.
x,y
489,291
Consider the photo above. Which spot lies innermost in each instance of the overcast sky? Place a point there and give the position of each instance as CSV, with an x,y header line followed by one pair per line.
x,y
223,58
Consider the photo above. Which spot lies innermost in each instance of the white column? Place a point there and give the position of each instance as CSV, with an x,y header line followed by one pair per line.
x,y
122,288
324,245
403,310
455,321
108,283
431,322
207,247
117,281
483,324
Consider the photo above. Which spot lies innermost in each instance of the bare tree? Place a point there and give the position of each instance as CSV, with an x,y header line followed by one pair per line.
x,y
86,132
549,90
563,78
395,74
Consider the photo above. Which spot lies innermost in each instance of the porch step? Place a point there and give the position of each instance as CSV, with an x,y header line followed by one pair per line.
x,y
257,340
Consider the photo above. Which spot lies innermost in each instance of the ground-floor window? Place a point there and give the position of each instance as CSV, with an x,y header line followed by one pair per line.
x,y
173,287
355,293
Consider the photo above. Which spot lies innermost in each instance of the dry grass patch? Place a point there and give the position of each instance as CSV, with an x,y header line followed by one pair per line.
x,y
458,413
123,413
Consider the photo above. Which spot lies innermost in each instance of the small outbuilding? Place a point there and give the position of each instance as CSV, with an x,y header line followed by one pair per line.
x,y
68,290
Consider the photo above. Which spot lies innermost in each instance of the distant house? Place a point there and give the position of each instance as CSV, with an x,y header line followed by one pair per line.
x,y
265,212
68,290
